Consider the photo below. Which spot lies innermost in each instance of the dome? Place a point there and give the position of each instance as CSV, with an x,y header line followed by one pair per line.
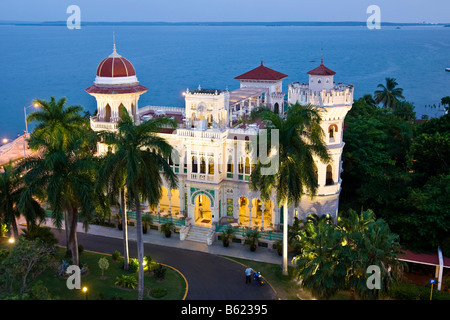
x,y
115,66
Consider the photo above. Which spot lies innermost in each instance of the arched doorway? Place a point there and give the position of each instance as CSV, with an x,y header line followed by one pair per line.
x,y
107,116
202,211
243,211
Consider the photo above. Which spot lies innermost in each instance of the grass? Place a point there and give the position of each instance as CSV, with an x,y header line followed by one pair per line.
x,y
104,288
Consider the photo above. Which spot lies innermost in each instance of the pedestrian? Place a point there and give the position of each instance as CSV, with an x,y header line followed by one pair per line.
x,y
248,275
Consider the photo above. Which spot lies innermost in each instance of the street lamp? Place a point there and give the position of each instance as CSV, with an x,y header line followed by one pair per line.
x,y
85,289
5,140
36,105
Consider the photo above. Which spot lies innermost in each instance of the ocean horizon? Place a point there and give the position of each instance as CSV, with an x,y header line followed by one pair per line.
x,y
44,61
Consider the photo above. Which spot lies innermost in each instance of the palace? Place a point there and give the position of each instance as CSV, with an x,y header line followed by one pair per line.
x,y
213,164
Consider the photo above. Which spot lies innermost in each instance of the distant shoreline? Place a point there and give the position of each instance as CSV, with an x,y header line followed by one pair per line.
x,y
222,24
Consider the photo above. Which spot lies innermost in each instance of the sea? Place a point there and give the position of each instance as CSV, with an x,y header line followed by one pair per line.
x,y
45,61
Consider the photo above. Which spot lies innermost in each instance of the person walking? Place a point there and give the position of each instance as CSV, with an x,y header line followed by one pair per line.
x,y
248,275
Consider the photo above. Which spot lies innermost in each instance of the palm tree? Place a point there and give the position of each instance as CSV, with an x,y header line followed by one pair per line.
x,y
300,139
57,124
322,263
114,174
64,169
142,154
388,94
372,243
11,189
68,179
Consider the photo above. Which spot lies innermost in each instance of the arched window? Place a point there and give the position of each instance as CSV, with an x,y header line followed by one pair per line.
x,y
241,166
276,108
107,117
331,131
329,178
202,165
230,165
247,165
210,166
194,164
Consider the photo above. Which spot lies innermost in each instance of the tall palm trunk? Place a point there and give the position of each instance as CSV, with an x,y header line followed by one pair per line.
x,y
13,227
73,241
285,238
140,245
123,207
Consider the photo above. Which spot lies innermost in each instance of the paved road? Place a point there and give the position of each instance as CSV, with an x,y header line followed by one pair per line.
x,y
210,277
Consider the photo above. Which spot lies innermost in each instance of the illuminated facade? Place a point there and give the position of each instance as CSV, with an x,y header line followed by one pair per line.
x,y
212,161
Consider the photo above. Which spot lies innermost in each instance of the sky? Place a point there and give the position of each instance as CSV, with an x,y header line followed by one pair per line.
x,y
433,11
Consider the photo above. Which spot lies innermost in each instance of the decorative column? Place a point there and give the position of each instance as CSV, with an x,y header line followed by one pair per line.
x,y
250,206
263,208
169,196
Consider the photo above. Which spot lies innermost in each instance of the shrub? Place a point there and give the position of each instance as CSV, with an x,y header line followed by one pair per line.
x,y
158,292
125,281
406,291
133,265
159,272
115,255
103,264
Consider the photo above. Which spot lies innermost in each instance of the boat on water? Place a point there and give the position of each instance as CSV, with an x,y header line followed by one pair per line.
x,y
447,69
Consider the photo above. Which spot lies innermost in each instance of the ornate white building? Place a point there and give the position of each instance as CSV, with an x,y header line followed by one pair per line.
x,y
212,160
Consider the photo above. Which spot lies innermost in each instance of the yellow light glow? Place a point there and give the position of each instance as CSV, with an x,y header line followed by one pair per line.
x,y
5,140
11,240
84,289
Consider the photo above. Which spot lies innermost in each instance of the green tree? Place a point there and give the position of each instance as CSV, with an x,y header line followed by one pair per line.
x,y
57,124
301,138
322,264
372,244
388,94
143,154
11,190
64,168
335,257
26,260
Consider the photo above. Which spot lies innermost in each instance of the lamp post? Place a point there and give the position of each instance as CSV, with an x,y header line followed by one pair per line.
x,y
25,113
85,289
36,105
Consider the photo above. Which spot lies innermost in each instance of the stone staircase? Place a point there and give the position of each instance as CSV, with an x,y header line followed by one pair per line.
x,y
198,234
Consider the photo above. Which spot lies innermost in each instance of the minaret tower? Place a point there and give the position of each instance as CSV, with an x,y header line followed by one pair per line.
x,y
115,85
333,101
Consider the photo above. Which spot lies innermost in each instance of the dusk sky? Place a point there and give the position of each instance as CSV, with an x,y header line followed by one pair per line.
x,y
227,10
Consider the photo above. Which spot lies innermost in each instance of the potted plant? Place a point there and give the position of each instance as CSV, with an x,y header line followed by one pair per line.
x,y
252,238
146,222
167,228
227,236
278,245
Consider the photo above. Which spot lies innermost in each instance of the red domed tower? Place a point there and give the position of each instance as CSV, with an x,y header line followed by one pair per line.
x,y
115,85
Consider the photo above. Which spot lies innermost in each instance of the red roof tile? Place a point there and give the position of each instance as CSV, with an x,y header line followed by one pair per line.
x,y
321,71
116,89
262,73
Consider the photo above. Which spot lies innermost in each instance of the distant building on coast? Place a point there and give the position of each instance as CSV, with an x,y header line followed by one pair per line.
x,y
214,165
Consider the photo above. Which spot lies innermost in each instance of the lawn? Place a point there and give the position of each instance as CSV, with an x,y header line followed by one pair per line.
x,y
103,287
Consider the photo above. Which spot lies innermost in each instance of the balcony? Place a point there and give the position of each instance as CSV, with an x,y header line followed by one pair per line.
x,y
101,125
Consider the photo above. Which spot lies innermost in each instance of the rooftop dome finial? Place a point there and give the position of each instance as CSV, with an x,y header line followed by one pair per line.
x,y
114,41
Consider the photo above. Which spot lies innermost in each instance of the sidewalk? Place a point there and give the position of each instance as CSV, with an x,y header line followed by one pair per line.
x,y
156,237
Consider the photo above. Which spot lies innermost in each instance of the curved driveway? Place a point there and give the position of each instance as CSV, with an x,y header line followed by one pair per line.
x,y
210,277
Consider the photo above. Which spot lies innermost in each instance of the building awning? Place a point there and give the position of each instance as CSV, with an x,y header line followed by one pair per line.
x,y
243,94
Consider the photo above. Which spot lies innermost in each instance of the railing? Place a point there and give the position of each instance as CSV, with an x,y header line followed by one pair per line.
x,y
101,125
241,232
208,134
131,215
